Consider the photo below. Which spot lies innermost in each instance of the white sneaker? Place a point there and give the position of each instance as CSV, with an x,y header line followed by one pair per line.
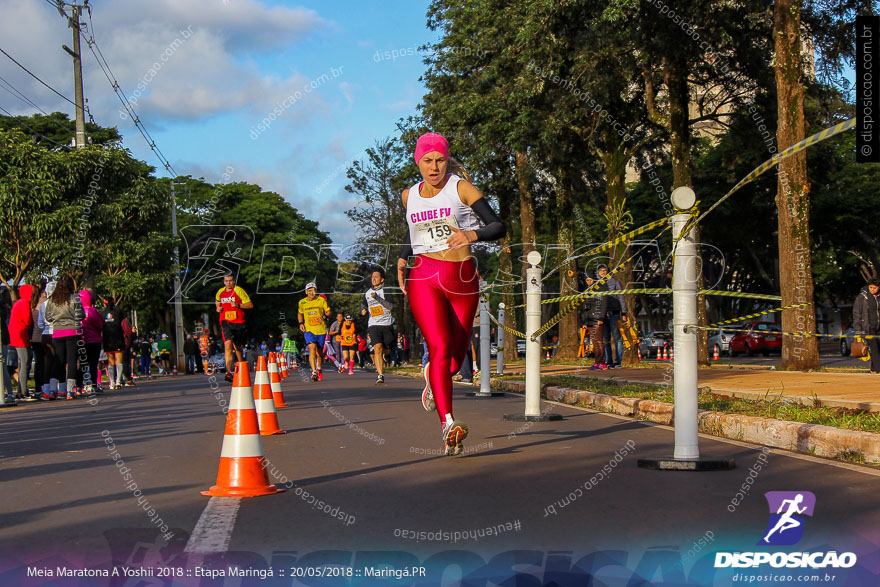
x,y
453,433
427,394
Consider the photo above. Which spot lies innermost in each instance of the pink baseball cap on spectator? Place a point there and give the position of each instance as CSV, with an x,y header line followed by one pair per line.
x,y
431,141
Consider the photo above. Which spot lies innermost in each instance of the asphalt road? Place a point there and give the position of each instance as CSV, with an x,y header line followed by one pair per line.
x,y
366,487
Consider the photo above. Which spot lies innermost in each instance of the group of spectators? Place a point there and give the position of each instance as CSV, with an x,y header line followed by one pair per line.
x,y
601,316
67,341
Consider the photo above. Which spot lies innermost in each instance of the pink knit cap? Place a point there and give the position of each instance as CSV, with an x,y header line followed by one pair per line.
x,y
431,142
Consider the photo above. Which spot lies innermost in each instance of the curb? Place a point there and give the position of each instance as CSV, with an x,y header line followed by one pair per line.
x,y
867,406
810,439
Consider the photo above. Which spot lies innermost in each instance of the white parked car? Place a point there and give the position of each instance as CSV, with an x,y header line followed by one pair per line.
x,y
720,337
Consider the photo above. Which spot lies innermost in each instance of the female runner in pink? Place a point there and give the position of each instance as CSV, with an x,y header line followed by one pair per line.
x,y
443,287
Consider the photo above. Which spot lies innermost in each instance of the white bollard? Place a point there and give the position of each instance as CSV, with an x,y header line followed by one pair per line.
x,y
686,456
499,341
485,342
533,347
684,304
533,323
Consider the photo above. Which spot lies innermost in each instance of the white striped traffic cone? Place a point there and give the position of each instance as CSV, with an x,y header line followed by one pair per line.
x,y
242,472
275,383
266,414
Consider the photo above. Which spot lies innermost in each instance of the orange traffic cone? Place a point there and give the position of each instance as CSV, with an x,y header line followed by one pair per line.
x,y
671,353
266,414
175,369
284,372
715,355
639,352
280,370
664,356
242,472
275,383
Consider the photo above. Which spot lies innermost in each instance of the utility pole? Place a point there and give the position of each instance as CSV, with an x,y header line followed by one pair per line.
x,y
178,309
73,22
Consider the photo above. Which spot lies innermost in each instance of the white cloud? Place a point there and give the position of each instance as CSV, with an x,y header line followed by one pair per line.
x,y
177,60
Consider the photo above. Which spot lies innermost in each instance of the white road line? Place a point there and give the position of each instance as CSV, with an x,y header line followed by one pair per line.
x,y
214,528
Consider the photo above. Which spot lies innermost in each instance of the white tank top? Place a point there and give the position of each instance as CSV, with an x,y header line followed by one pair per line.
x,y
429,218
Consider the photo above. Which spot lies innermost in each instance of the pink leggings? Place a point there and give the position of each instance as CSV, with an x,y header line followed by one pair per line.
x,y
444,296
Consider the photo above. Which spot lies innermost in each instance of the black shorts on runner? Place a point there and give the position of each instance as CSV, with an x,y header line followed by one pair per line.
x,y
233,331
352,348
383,335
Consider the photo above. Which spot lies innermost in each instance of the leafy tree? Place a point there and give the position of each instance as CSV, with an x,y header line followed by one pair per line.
x,y
32,182
58,129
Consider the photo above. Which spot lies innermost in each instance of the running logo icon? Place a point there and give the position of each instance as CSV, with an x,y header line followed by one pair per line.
x,y
786,524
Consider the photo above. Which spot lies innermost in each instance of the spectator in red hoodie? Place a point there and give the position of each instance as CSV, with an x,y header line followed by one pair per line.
x,y
92,329
21,322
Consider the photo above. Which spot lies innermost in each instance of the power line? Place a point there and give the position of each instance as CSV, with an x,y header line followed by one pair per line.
x,y
23,123
33,75
108,73
18,94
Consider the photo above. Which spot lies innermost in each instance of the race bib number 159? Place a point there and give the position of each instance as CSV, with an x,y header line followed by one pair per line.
x,y
435,232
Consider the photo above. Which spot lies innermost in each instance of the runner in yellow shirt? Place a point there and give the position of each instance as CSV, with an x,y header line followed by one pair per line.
x,y
312,310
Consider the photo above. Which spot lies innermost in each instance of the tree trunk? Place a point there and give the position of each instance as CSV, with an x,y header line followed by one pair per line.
x,y
676,78
792,195
505,265
569,335
526,207
615,162
526,213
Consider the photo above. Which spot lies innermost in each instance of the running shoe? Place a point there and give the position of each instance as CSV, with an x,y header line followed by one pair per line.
x,y
129,383
598,367
69,395
428,395
228,377
320,375
380,380
351,371
453,433
314,375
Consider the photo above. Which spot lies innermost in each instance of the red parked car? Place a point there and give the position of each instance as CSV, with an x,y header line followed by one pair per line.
x,y
761,337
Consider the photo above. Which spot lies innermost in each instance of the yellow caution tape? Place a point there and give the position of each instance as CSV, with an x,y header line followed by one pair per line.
x,y
738,294
801,334
775,159
506,328
756,314
577,298
658,291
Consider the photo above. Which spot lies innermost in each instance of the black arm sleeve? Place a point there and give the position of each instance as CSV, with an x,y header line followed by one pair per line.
x,y
407,251
494,228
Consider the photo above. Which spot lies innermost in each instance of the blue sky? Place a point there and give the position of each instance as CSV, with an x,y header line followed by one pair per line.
x,y
225,66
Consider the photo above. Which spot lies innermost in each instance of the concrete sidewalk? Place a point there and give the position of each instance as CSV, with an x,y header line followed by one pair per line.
x,y
857,391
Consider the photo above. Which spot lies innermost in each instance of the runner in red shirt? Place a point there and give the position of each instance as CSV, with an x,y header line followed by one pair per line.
x,y
231,301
